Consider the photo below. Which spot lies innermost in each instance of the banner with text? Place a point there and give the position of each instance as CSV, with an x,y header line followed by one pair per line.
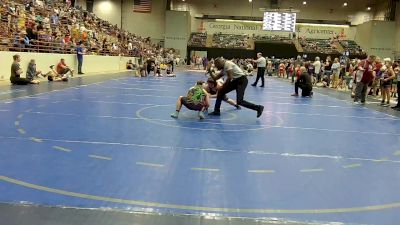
x,y
308,31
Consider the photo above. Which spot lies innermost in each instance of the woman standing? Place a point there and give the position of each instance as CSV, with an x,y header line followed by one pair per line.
x,y
335,72
328,69
386,82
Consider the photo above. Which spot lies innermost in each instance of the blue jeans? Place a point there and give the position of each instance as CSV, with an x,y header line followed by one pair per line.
x,y
80,62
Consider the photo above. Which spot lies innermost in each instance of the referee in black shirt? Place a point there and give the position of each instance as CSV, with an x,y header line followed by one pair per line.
x,y
235,80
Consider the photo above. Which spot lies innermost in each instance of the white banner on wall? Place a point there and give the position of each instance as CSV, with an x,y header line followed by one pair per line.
x,y
302,30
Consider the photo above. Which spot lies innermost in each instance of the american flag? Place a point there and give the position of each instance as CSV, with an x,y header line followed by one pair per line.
x,y
142,6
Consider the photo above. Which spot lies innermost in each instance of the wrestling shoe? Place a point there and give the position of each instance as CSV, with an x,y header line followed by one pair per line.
x,y
295,95
201,115
175,115
260,110
238,107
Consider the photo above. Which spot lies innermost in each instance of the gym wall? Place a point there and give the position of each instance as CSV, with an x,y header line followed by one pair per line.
x,y
377,38
120,12
315,10
177,30
91,63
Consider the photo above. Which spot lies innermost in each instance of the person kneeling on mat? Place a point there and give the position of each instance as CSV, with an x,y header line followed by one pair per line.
x,y
197,99
16,72
304,83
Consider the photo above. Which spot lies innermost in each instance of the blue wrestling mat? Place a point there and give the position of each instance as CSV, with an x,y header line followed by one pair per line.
x,y
113,145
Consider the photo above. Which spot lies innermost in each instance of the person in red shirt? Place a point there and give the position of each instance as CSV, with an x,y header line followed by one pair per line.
x,y
366,66
378,74
67,39
61,72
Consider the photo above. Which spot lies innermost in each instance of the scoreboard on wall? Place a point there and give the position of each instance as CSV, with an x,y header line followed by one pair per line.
x,y
279,21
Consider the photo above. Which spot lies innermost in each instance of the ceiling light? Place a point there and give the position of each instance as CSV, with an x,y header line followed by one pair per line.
x,y
368,8
345,4
304,3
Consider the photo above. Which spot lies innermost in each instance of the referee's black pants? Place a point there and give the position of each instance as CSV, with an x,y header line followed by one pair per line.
x,y
260,74
238,84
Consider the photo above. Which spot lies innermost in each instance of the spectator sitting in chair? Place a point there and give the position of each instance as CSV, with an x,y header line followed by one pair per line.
x,y
304,83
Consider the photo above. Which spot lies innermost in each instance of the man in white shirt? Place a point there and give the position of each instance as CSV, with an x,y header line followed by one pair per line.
x,y
317,68
235,80
261,63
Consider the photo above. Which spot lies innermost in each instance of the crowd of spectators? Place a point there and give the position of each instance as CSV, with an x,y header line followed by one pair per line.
x,y
324,46
352,47
235,41
54,26
272,38
379,78
197,40
309,45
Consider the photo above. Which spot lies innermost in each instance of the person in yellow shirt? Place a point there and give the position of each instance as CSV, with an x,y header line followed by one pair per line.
x,y
21,20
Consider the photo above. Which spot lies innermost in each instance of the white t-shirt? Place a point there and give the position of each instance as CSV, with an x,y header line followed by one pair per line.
x,y
170,56
359,75
237,72
198,60
261,62
336,68
317,67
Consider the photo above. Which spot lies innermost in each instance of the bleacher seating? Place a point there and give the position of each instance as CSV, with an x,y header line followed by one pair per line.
x,y
235,41
308,45
274,38
352,47
197,40
55,27
318,46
